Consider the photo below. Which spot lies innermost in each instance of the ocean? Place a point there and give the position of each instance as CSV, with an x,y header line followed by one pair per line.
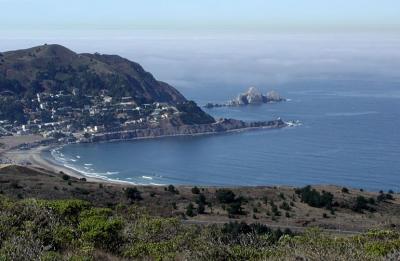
x,y
348,138
343,88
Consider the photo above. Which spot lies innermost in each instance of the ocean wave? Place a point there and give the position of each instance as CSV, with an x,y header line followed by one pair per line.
x,y
293,123
146,177
112,172
156,184
78,157
88,164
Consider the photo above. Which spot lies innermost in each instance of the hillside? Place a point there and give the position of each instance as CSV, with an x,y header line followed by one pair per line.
x,y
51,216
53,91
55,68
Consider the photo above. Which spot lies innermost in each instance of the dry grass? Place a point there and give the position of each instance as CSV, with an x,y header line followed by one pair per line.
x,y
24,182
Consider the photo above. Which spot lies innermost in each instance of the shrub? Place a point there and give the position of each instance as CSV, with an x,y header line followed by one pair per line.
x,y
285,206
195,190
201,199
201,208
190,210
371,201
225,196
361,204
235,229
274,209
67,209
313,198
133,194
172,189
389,197
100,229
235,208
16,185
65,177
345,190
383,197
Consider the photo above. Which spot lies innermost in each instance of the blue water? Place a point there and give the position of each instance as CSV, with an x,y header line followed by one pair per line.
x,y
350,136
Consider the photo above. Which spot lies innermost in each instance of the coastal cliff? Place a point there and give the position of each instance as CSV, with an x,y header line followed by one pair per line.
x,y
223,125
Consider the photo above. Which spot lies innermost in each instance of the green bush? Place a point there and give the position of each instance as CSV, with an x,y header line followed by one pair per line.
x,y
74,230
195,190
313,198
172,189
100,228
67,209
200,208
285,206
190,210
133,194
65,177
361,203
225,196
235,208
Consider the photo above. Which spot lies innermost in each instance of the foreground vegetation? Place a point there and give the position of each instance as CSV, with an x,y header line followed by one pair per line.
x,y
73,229
53,216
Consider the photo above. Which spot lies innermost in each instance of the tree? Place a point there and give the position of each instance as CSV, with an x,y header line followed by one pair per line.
x,y
201,199
201,208
190,210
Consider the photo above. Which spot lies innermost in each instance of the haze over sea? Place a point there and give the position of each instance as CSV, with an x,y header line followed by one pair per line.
x,y
343,86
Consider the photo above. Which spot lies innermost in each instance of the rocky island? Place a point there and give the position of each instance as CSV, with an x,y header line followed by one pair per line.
x,y
63,96
252,96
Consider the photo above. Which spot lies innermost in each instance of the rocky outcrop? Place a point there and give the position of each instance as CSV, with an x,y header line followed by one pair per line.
x,y
252,96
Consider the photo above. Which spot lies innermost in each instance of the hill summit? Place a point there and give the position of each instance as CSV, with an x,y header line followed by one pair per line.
x,y
53,68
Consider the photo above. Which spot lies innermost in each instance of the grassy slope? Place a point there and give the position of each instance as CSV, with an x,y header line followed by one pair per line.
x,y
106,225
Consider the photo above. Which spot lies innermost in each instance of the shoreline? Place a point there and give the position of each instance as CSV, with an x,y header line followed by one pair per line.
x,y
33,157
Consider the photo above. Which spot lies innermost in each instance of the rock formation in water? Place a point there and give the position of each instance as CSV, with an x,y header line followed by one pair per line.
x,y
252,96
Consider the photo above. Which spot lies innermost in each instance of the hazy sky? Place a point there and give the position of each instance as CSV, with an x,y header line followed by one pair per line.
x,y
171,14
244,53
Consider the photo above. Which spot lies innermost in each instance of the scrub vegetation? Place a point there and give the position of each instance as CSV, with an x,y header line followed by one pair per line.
x,y
73,229
53,216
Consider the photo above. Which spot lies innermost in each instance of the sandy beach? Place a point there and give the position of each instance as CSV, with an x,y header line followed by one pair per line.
x,y
10,154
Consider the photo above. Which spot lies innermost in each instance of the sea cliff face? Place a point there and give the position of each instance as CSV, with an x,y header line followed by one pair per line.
x,y
223,125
